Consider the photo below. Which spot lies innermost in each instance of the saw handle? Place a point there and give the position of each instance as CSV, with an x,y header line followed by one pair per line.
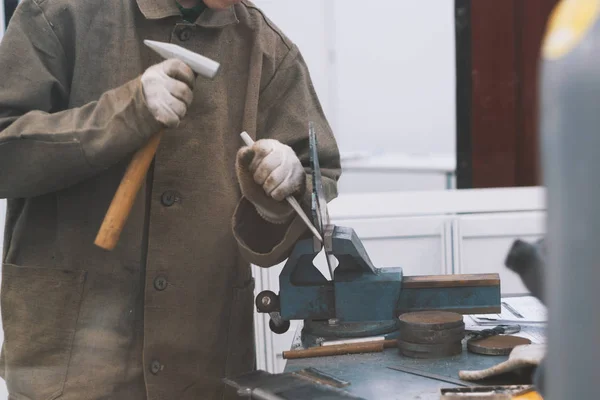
x,y
121,204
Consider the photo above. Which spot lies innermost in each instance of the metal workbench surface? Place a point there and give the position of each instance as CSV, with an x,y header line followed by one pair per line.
x,y
370,377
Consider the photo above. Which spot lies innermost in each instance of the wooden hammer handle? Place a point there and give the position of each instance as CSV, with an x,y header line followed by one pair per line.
x,y
121,204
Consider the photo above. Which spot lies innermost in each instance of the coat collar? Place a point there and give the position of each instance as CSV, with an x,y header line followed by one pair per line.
x,y
157,9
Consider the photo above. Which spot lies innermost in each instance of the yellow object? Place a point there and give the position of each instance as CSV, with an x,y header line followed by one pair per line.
x,y
568,24
528,396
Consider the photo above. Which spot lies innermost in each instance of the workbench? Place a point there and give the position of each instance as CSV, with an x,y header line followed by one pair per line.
x,y
370,377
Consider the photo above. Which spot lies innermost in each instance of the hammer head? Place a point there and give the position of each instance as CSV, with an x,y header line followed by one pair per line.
x,y
198,63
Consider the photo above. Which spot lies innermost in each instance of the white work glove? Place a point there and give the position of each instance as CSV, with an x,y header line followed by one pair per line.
x,y
523,356
167,90
268,172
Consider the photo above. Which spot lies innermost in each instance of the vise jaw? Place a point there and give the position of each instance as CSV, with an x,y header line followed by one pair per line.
x,y
358,291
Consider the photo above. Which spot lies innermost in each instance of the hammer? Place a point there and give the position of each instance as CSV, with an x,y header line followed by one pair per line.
x,y
121,204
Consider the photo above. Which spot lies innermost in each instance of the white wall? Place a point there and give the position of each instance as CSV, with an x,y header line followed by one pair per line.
x,y
385,76
312,38
1,18
395,76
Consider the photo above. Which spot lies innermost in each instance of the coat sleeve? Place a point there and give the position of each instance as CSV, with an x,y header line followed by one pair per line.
x,y
286,106
44,146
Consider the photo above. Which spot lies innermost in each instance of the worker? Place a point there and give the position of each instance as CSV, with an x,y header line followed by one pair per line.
x,y
168,313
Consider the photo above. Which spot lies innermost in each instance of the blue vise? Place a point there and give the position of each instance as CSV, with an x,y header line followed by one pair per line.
x,y
363,300
360,300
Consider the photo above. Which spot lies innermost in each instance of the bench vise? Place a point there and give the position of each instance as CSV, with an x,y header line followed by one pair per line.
x,y
360,300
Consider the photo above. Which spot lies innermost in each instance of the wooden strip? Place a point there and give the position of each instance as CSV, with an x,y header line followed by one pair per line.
x,y
446,281
325,351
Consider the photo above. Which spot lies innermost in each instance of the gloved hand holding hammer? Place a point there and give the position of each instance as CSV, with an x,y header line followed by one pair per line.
x,y
168,90
268,171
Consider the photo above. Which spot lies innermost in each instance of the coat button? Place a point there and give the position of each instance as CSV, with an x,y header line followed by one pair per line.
x,y
185,34
155,367
169,198
160,283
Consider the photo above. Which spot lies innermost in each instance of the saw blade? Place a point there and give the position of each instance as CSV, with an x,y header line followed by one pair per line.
x,y
319,201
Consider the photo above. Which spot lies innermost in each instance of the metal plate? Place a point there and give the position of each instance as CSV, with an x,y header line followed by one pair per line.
x,y
343,330
300,385
496,345
319,209
432,320
349,329
319,201
431,336
436,377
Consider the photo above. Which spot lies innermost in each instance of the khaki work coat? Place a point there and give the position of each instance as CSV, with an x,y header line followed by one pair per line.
x,y
168,313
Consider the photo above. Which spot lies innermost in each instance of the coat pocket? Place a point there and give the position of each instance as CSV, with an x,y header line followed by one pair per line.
x,y
240,346
40,307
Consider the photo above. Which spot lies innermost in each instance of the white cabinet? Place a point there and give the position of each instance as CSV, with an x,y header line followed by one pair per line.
x,y
269,345
417,244
395,172
484,242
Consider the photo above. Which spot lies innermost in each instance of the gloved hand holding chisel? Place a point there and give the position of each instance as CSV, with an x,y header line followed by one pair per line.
x,y
268,171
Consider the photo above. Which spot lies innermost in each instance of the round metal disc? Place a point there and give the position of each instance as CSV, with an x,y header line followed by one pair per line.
x,y
427,348
500,345
429,336
448,351
433,320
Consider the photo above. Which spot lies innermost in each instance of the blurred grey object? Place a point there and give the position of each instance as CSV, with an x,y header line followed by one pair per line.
x,y
528,261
